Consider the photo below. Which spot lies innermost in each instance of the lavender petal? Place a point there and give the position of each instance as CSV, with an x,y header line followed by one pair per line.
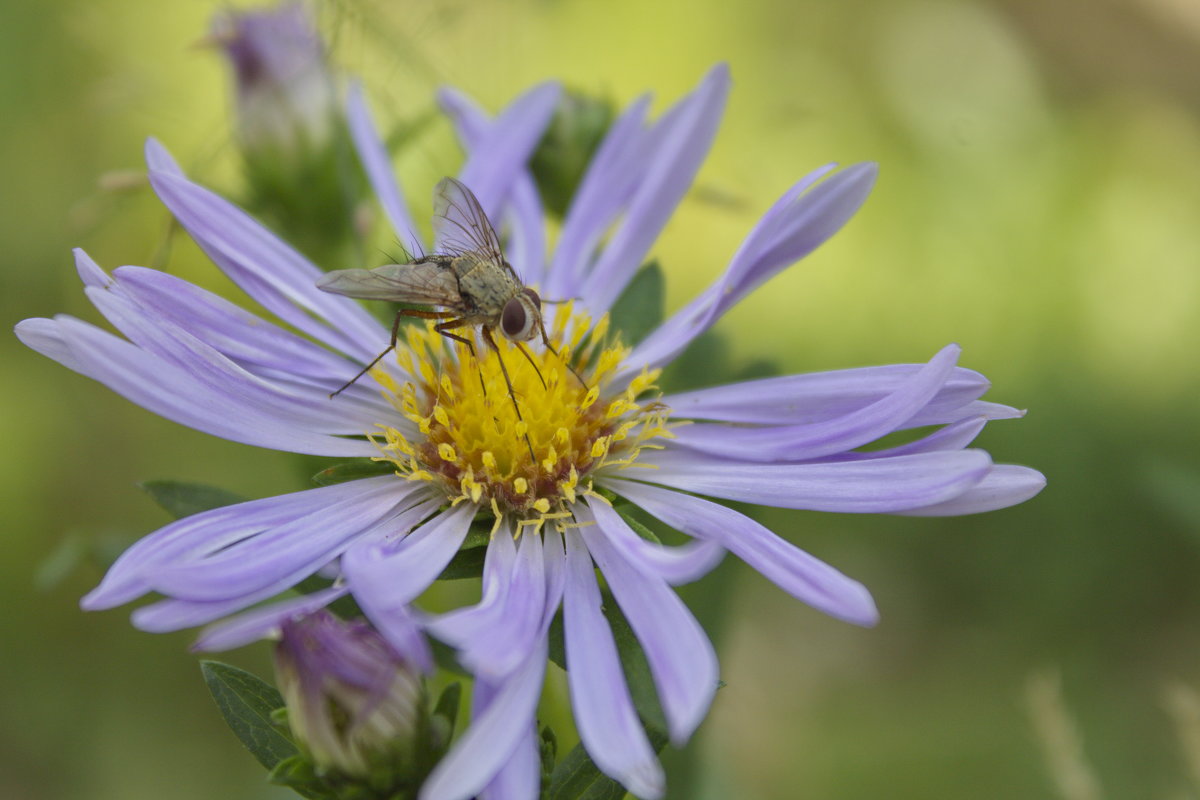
x,y
522,214
498,159
386,575
675,565
804,577
1005,485
210,531
262,622
795,226
604,714
499,649
378,166
611,177
299,547
819,396
304,408
877,486
460,627
683,139
813,440
682,660
267,269
493,736
174,393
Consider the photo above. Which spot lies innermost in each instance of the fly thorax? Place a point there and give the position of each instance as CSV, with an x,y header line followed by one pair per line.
x,y
485,282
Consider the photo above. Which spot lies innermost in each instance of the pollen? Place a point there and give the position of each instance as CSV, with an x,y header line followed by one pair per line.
x,y
530,452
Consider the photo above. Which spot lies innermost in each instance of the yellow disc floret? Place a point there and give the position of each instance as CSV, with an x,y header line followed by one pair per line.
x,y
530,452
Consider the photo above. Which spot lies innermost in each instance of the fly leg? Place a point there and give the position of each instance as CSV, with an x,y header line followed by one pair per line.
x,y
444,329
487,337
401,314
550,347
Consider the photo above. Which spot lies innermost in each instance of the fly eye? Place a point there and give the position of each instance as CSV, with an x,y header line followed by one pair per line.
x,y
514,322
532,295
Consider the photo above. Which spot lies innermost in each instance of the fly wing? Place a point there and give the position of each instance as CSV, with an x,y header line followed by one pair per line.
x,y
427,283
459,224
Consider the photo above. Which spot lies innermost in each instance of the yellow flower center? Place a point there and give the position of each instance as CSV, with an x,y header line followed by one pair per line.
x,y
529,452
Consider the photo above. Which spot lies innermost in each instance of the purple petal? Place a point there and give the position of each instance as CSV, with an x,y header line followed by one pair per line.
x,y
500,648
173,614
173,392
296,548
89,271
604,714
387,575
263,622
611,177
489,743
794,227
461,626
500,157
520,777
882,485
307,408
267,269
675,565
681,658
934,414
683,139
954,436
378,166
250,341
522,213
167,616
804,577
159,159
812,440
45,336
1005,485
819,396
209,531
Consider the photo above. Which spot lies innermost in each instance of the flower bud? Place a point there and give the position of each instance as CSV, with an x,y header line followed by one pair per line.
x,y
285,96
579,125
354,704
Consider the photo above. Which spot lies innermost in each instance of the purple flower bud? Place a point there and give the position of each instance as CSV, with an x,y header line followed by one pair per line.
x,y
353,701
285,92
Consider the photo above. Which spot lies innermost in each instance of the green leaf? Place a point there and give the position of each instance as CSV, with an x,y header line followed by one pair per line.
x,y
352,471
247,703
577,778
180,499
64,559
297,773
640,307
638,528
447,707
636,668
465,564
548,754
445,657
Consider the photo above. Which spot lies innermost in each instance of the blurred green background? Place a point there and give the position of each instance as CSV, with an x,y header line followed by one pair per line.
x,y
1037,203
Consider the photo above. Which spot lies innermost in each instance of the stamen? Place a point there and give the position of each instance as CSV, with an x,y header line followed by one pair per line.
x,y
530,454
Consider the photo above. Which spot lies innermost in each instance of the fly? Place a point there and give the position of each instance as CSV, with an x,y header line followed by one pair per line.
x,y
468,278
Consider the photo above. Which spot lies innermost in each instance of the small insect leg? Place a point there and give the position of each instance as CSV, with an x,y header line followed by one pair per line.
x,y
550,347
528,357
512,395
444,329
404,312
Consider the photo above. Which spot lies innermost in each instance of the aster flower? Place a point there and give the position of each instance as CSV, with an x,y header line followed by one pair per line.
x,y
285,95
353,701
460,452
